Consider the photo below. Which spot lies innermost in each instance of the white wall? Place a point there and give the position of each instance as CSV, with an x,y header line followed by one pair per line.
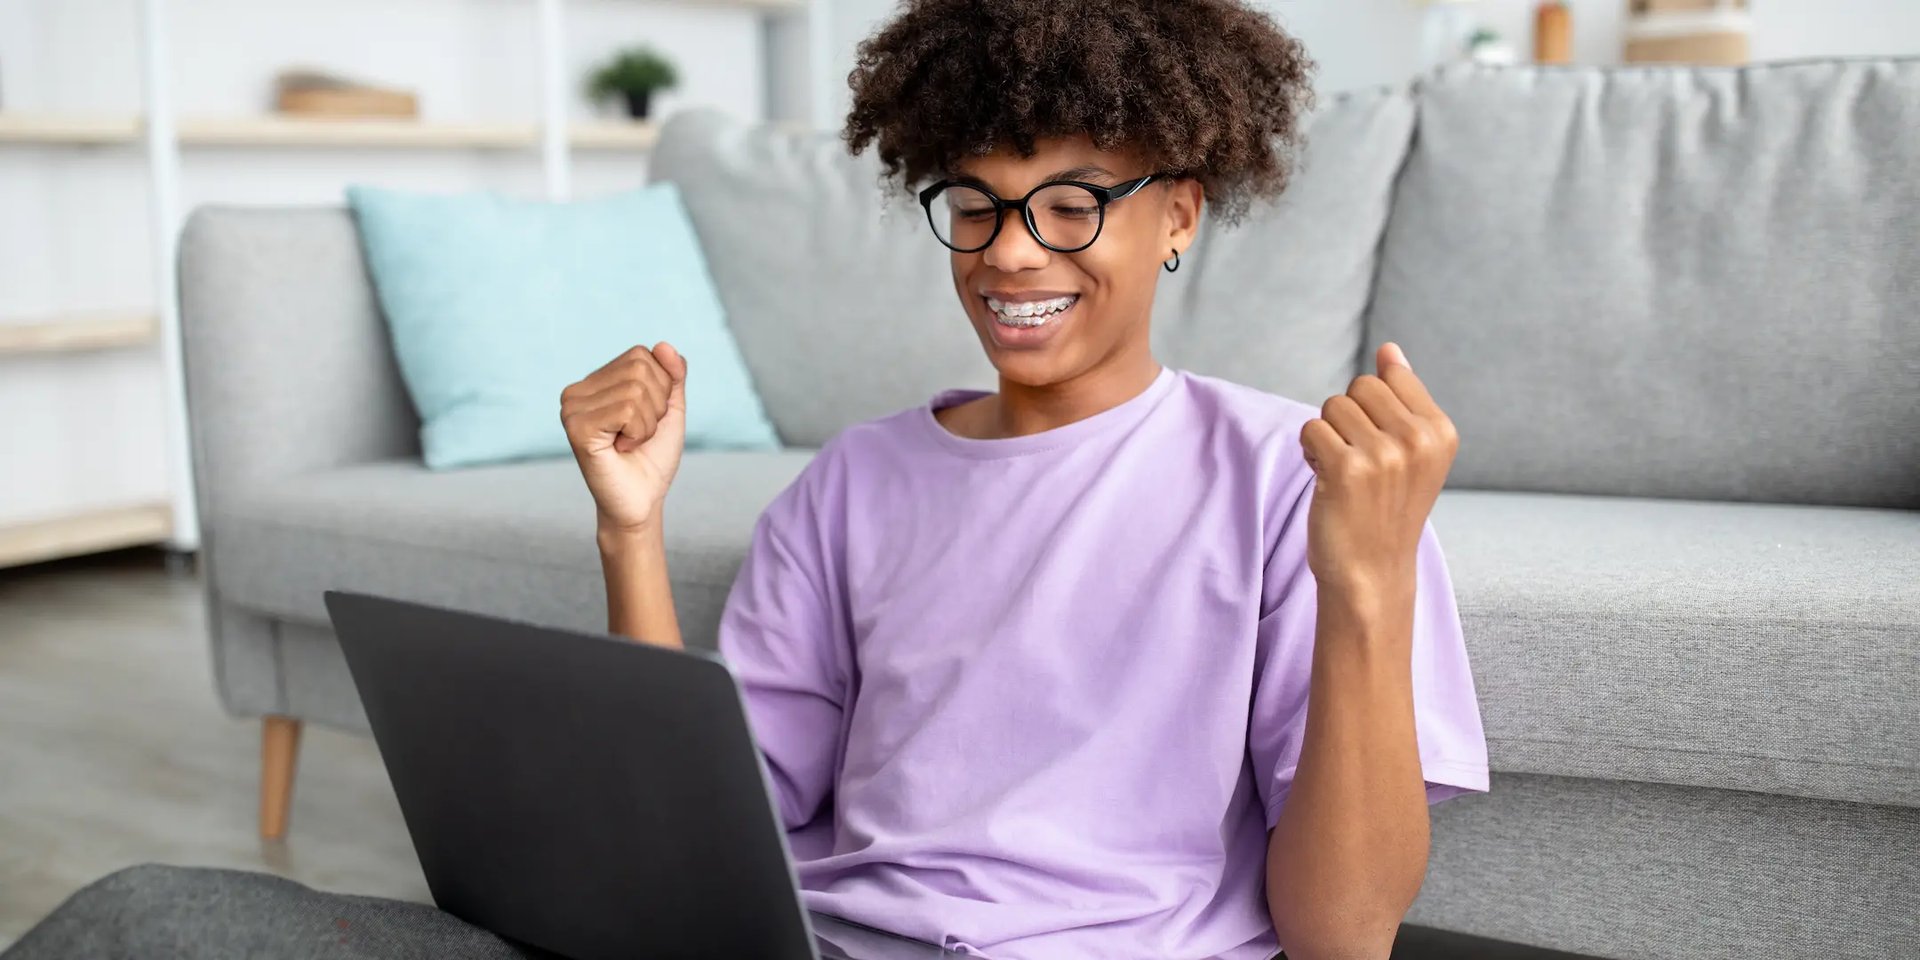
x,y
1785,29
71,228
468,59
83,431
73,233
1361,43
1782,29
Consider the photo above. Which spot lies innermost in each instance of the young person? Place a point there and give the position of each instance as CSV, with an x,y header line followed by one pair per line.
x,y
1120,660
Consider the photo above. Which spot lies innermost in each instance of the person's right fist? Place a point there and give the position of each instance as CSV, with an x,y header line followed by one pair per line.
x,y
627,423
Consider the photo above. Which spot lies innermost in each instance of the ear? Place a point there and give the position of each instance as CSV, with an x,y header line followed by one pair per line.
x,y
1185,200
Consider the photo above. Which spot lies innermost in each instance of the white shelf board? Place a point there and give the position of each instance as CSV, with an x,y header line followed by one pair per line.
x,y
276,131
105,529
613,135
62,129
289,132
80,331
776,6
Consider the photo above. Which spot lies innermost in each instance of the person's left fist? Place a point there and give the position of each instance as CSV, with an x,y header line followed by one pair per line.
x,y
1380,454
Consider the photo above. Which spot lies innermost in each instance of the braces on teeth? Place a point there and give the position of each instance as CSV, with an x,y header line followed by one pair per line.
x,y
1031,313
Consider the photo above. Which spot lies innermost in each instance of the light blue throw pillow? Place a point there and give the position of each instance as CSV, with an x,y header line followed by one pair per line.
x,y
495,305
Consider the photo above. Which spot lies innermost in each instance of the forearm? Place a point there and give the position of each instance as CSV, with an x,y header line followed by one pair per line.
x,y
639,595
1348,854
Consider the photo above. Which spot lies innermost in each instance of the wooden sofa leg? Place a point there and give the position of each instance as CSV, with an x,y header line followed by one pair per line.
x,y
279,753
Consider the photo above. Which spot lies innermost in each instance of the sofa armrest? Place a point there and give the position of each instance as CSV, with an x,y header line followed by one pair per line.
x,y
289,368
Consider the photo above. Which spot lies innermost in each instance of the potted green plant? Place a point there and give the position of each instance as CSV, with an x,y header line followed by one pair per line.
x,y
633,75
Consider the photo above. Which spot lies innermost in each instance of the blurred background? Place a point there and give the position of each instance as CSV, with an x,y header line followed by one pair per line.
x,y
455,93
118,118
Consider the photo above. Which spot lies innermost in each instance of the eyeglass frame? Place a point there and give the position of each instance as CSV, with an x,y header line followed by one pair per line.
x,y
1102,196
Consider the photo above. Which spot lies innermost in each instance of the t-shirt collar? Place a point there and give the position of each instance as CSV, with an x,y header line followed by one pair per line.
x,y
1122,414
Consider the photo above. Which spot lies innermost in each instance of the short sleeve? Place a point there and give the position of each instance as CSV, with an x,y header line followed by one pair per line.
x,y
1453,750
780,635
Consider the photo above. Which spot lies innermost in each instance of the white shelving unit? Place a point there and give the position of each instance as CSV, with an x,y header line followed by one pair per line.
x,y
79,331
297,132
795,90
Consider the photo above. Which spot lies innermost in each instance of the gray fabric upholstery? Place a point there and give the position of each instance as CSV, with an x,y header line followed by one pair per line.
x,y
289,365
514,540
1277,301
511,539
1601,868
818,276
1691,285
248,671
1668,282
1619,869
161,912
821,272
1763,647
289,371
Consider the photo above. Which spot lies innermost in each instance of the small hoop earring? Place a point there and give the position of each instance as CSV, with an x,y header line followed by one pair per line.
x,y
1173,264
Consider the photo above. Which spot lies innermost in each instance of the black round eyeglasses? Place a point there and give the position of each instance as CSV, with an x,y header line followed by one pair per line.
x,y
1065,216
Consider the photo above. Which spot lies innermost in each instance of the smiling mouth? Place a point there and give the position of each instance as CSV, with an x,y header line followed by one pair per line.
x,y
1029,313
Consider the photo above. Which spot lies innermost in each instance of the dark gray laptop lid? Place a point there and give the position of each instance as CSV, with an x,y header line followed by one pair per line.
x,y
582,793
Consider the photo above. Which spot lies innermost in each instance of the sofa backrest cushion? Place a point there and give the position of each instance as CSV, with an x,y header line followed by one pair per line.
x,y
1671,282
1278,301
843,302
289,369
844,311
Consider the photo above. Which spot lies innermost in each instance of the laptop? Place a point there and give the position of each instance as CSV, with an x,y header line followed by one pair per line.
x,y
585,795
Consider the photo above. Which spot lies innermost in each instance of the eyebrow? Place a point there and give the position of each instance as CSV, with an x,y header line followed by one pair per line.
x,y
1082,172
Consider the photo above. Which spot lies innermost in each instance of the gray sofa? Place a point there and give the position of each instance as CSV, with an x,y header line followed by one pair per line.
x,y
1674,312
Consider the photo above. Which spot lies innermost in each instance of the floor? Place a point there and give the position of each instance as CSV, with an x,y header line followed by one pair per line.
x,y
114,751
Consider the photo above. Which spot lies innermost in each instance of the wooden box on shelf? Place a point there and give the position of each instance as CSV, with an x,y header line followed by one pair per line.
x,y
319,93
1642,7
1725,49
348,103
1688,31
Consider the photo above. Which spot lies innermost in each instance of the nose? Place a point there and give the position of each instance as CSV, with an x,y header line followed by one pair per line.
x,y
1015,248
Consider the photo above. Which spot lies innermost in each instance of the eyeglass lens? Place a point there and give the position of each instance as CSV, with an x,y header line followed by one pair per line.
x,y
1063,216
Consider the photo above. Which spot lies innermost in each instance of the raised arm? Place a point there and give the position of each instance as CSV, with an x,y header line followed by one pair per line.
x,y
1348,851
639,596
626,423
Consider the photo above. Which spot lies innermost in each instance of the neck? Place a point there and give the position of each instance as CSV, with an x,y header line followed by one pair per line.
x,y
1020,409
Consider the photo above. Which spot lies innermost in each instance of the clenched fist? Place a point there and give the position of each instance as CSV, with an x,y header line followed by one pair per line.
x,y
627,423
1380,454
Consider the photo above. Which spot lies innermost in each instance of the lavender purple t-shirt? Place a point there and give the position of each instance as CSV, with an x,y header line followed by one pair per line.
x,y
1041,697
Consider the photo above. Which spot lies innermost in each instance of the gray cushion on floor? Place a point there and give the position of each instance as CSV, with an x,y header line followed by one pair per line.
x,y
1680,283
1663,872
1757,646
160,912
511,539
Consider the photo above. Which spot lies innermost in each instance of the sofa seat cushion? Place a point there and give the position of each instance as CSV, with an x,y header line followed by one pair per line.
x,y
1747,646
514,539
1760,647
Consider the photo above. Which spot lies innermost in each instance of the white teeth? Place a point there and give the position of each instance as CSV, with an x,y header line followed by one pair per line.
x,y
1030,313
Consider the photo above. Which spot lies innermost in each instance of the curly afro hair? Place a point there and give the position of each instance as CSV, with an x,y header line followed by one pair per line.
x,y
1210,88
